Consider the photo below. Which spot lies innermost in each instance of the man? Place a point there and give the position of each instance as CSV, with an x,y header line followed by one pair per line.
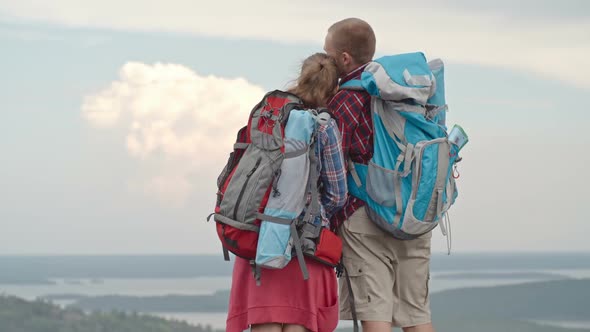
x,y
389,277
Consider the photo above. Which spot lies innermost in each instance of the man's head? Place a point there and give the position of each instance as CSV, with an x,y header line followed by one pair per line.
x,y
351,42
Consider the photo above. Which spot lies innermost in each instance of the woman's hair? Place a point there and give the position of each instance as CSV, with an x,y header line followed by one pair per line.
x,y
318,80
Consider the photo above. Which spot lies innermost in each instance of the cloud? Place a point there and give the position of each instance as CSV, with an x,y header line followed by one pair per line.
x,y
554,46
177,123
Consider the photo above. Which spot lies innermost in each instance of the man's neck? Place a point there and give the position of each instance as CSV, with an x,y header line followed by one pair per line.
x,y
351,72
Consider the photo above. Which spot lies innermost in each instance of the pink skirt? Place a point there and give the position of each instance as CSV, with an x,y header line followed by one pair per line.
x,y
283,297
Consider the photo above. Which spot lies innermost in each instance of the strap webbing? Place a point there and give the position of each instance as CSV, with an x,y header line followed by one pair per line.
x,y
312,183
257,274
312,211
236,224
300,258
449,237
355,175
439,204
225,254
408,159
313,176
431,113
351,300
296,153
397,184
241,146
273,219
445,228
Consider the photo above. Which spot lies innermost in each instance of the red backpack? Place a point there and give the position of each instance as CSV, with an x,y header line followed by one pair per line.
x,y
247,179
251,175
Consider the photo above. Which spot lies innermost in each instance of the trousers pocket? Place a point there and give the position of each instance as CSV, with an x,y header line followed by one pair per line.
x,y
380,185
356,280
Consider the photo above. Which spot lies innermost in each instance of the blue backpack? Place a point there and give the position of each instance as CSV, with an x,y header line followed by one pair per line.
x,y
408,185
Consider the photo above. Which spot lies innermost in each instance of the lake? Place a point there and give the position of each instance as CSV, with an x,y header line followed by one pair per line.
x,y
183,275
440,281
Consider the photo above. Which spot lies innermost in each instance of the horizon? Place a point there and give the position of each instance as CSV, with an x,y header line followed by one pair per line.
x,y
220,255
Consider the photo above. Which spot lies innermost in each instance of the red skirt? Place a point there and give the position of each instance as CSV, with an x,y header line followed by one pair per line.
x,y
283,297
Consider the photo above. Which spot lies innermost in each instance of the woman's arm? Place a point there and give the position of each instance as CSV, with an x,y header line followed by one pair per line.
x,y
333,172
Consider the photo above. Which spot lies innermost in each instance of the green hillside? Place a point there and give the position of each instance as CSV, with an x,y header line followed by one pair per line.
x,y
547,300
17,315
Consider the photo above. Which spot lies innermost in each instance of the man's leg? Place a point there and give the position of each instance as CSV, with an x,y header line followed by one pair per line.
x,y
420,328
370,272
411,292
376,326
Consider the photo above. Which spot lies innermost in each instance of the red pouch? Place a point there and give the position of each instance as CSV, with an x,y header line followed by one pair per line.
x,y
241,243
329,248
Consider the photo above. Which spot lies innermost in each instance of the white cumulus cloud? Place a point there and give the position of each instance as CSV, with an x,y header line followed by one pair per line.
x,y
177,122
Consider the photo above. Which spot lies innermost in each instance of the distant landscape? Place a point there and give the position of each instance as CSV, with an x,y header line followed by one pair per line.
x,y
513,306
523,292
41,269
456,310
559,300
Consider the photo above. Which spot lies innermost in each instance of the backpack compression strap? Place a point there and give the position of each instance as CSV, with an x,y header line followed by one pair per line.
x,y
314,208
312,211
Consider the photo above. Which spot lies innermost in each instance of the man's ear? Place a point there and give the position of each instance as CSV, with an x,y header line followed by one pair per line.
x,y
346,59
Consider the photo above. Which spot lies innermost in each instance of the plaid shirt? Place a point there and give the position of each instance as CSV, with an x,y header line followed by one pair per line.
x,y
332,171
352,111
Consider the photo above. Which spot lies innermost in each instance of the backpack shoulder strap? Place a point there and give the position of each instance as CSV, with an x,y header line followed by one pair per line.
x,y
352,85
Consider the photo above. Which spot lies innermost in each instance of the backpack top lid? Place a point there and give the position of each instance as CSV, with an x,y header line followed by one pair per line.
x,y
267,119
397,78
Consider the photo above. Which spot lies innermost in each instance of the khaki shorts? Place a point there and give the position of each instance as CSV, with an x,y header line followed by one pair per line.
x,y
389,277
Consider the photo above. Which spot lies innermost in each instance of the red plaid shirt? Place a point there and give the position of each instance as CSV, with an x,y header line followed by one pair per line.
x,y
352,110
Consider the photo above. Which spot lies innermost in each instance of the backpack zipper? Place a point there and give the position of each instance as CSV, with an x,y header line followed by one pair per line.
x,y
244,187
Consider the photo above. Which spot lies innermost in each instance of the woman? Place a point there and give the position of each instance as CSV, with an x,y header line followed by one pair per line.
x,y
284,301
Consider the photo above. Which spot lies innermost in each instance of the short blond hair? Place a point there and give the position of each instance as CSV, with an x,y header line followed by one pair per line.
x,y
317,81
355,37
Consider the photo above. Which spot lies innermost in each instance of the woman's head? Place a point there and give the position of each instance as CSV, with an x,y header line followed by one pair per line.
x,y
318,80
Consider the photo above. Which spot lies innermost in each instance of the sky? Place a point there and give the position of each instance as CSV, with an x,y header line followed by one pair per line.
x,y
117,116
